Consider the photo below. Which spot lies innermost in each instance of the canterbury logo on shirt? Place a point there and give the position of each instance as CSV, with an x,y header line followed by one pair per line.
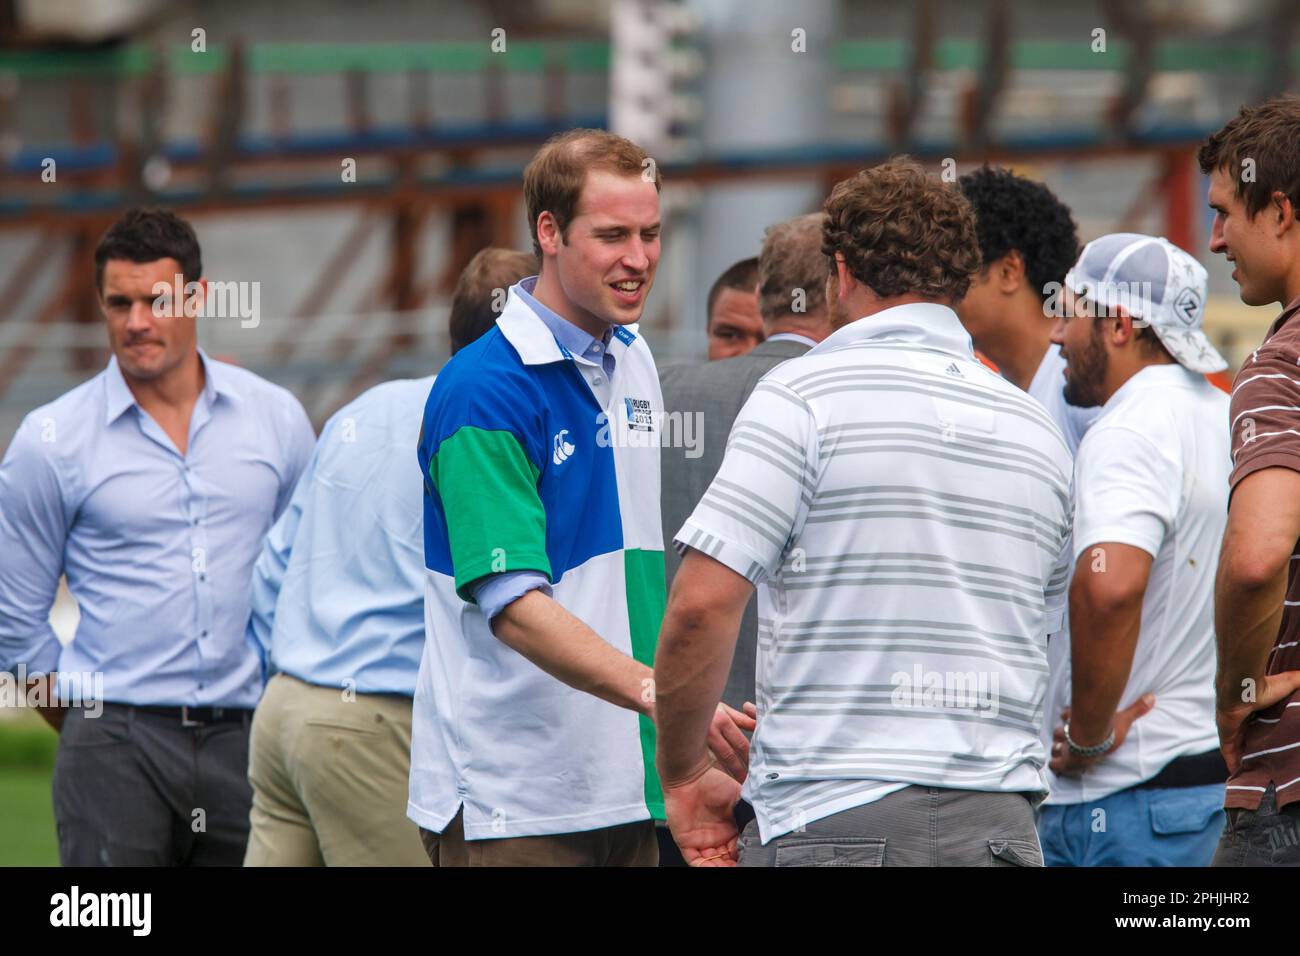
x,y
562,448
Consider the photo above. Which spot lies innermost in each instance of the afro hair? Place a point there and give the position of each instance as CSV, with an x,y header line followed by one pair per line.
x,y
1013,212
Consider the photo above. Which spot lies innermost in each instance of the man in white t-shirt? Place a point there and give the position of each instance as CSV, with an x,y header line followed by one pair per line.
x,y
1027,241
1138,777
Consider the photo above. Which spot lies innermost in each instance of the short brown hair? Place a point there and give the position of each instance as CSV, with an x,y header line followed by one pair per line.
x,y
791,258
476,302
147,235
902,231
1266,136
553,180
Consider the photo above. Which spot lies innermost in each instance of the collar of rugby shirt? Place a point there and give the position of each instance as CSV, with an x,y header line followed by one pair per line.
x,y
927,325
581,345
540,335
118,395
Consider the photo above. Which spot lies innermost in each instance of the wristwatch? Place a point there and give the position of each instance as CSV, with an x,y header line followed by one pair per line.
x,y
1096,750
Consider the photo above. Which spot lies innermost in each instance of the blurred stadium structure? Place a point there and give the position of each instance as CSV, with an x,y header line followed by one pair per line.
x,y
245,116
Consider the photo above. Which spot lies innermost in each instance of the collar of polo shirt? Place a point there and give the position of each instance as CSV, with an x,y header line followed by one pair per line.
x,y
928,324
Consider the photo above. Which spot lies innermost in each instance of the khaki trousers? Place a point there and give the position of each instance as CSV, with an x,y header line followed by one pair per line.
x,y
329,777
631,844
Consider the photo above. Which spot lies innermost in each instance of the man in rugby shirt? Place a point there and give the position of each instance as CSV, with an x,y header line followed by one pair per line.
x,y
1254,171
545,586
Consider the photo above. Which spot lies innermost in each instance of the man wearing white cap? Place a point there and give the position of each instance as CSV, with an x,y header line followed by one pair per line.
x,y
1151,488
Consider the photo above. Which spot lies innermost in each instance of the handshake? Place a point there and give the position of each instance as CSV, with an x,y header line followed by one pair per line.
x,y
700,807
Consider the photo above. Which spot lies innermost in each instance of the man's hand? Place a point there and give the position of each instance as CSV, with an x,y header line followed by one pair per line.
x,y
727,741
1067,764
691,664
700,816
544,631
1232,720
1250,598
45,687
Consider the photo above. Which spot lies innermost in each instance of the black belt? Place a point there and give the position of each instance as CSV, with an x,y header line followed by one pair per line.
x,y
198,716
1190,770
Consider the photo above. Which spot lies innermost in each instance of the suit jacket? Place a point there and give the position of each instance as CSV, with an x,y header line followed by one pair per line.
x,y
715,390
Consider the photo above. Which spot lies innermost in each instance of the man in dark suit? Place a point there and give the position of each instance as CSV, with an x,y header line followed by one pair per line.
x,y
705,398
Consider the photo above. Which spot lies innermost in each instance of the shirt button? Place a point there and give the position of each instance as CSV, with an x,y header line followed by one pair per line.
x,y
596,380
203,633
595,348
203,577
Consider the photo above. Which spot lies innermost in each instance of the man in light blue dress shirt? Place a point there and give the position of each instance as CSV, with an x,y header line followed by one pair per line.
x,y
150,487
338,611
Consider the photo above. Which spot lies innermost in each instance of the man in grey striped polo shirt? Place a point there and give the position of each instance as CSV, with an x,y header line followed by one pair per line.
x,y
904,512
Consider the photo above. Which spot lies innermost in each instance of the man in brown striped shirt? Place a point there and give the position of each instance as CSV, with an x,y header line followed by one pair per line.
x,y
1254,169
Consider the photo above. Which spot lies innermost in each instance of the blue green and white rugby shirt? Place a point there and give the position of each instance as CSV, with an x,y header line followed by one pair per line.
x,y
527,470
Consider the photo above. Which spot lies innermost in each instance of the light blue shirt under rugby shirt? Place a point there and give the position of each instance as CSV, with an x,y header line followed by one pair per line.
x,y
495,592
338,592
581,345
158,547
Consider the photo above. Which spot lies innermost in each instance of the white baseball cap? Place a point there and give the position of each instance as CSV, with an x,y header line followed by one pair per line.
x,y
1155,281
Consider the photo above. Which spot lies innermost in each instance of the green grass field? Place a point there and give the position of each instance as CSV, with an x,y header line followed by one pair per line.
x,y
27,835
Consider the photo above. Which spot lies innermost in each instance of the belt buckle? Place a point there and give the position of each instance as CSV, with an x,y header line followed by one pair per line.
x,y
185,717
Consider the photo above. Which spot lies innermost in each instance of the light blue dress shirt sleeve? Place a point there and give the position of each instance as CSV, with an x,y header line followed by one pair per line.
x,y
494,592
301,445
268,572
33,530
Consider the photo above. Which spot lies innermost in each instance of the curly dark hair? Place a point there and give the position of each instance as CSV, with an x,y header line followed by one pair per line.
x,y
1012,212
901,231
